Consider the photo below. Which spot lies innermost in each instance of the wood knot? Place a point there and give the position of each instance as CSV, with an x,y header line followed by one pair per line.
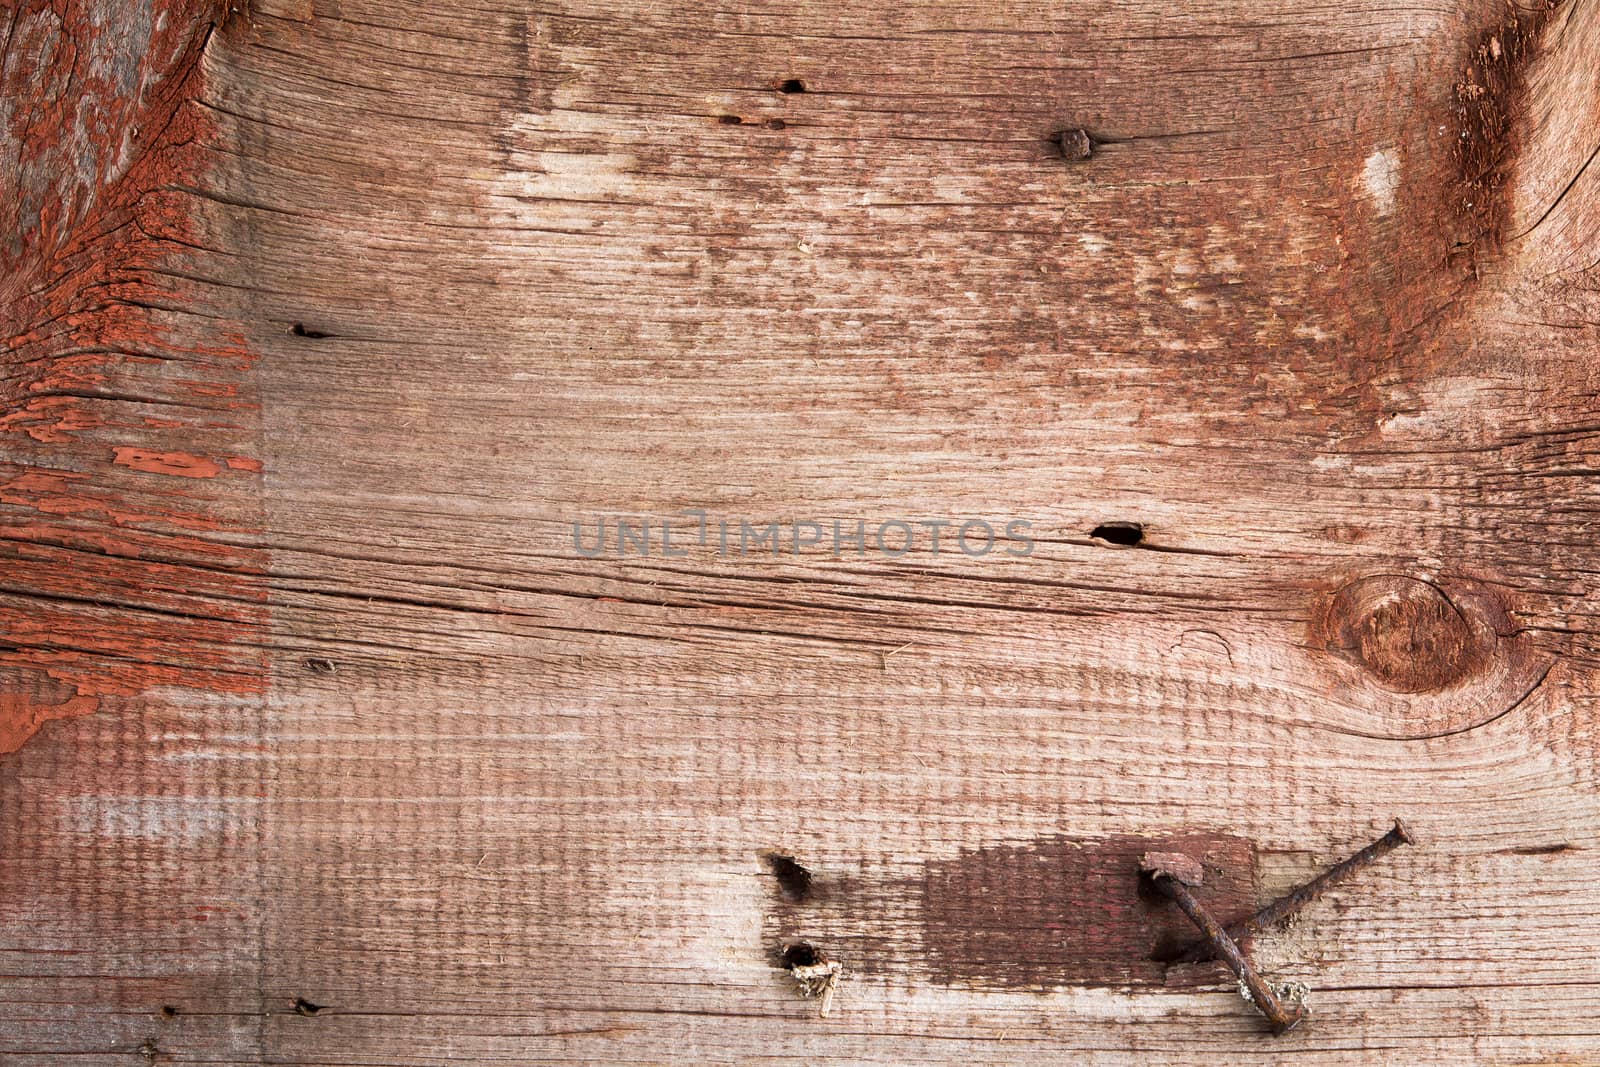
x,y
1408,632
1411,656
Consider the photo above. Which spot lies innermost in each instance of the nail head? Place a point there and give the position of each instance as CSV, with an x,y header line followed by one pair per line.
x,y
1174,865
1075,144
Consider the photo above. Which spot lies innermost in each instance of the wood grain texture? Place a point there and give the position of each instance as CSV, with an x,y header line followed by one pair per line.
x,y
328,744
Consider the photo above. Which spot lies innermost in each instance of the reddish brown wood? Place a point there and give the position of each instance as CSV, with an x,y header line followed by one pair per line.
x,y
325,321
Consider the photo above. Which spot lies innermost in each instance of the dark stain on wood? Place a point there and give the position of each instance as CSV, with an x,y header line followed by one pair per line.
x,y
1037,915
1490,105
1059,912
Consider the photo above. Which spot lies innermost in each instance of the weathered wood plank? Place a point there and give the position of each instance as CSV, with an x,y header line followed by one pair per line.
x,y
306,390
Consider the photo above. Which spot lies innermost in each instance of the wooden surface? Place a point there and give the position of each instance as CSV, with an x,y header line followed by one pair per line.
x,y
327,320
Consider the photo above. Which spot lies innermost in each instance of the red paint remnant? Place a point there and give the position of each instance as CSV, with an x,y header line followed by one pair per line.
x,y
244,463
173,624
178,464
89,82
78,495
28,700
216,389
50,419
122,585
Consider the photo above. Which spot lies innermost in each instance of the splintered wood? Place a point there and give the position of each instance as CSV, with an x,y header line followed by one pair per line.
x,y
634,533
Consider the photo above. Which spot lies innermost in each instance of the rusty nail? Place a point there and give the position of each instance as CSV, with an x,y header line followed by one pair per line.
x,y
1290,903
1169,872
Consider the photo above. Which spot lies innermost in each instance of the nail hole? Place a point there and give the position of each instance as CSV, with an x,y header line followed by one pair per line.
x,y
302,1006
801,954
1168,947
317,665
299,330
791,85
168,1011
775,124
794,880
1127,534
1074,144
730,120
1147,891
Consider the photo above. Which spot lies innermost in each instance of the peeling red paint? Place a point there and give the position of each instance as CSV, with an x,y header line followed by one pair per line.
x,y
123,586
23,709
78,495
91,81
50,419
177,464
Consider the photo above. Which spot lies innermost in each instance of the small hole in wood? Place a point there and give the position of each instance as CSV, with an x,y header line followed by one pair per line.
x,y
791,85
1168,947
1126,534
730,120
1544,850
801,954
795,882
1074,144
302,1006
299,330
1146,891
317,665
168,1011
775,124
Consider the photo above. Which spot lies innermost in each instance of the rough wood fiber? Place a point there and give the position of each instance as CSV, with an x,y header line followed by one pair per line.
x,y
326,320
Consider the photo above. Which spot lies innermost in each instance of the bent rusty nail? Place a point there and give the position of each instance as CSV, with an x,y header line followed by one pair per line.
x,y
1171,874
1293,901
